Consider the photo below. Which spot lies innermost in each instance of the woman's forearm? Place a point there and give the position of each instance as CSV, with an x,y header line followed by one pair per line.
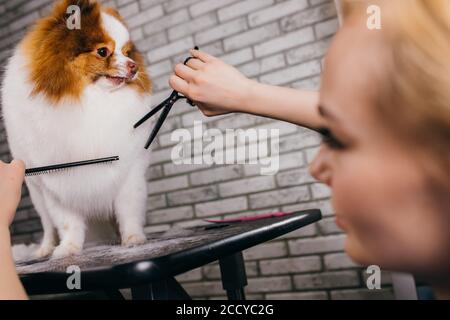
x,y
218,88
10,286
286,104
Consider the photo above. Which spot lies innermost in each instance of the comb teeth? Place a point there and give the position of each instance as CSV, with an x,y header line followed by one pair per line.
x,y
67,166
32,174
42,172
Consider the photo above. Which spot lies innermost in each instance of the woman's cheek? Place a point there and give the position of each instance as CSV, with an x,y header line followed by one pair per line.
x,y
349,195
378,208
356,212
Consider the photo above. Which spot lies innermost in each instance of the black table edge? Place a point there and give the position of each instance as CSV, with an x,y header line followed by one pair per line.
x,y
147,271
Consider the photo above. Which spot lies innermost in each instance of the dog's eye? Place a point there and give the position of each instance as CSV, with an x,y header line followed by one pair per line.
x,y
103,52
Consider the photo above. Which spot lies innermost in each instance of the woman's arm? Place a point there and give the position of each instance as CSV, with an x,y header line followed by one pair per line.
x,y
11,180
286,104
218,88
10,286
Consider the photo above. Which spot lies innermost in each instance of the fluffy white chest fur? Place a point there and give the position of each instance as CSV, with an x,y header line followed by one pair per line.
x,y
99,125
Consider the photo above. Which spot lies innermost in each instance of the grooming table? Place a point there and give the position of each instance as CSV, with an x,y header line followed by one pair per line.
x,y
149,269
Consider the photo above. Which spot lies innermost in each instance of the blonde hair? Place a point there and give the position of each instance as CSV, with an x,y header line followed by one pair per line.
x,y
415,97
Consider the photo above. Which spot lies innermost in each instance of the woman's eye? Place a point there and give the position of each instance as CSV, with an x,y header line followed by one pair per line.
x,y
103,52
330,140
333,143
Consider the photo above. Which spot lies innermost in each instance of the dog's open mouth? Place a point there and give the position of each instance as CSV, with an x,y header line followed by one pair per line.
x,y
117,80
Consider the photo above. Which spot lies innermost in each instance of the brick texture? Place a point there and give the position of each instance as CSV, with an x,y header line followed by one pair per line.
x,y
279,42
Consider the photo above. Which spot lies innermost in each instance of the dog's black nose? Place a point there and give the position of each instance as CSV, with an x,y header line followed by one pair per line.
x,y
132,67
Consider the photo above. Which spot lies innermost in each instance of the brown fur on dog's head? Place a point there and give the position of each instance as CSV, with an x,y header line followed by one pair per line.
x,y
63,61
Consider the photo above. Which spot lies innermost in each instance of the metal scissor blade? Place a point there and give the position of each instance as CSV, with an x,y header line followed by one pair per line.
x,y
158,125
152,112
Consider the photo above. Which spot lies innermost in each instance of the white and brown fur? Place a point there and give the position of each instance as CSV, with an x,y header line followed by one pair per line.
x,y
64,102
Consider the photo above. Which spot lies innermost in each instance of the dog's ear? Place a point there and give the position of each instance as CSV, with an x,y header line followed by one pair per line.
x,y
81,3
86,7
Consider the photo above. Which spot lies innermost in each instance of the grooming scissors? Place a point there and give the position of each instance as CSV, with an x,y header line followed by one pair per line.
x,y
166,106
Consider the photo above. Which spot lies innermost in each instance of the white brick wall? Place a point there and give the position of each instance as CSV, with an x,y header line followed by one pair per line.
x,y
274,41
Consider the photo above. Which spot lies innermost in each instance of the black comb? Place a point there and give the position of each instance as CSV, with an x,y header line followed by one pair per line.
x,y
58,167
167,106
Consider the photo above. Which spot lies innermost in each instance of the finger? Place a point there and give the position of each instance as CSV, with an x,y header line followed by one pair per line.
x,y
19,165
203,56
203,109
178,84
207,112
184,72
17,171
195,64
200,106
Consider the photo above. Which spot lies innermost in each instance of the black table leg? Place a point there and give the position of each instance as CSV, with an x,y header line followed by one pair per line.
x,y
141,292
234,277
167,289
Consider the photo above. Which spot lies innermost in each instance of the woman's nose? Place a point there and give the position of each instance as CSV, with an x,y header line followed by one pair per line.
x,y
320,167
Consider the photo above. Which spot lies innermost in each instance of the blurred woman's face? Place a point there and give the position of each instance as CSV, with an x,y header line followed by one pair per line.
x,y
380,192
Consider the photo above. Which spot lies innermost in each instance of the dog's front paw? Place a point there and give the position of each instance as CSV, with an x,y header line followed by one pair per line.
x,y
44,251
66,250
134,239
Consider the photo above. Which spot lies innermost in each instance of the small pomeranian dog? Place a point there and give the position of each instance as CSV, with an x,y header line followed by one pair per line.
x,y
71,95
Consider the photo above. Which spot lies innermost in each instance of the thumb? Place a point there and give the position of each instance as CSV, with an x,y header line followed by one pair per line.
x,y
18,166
